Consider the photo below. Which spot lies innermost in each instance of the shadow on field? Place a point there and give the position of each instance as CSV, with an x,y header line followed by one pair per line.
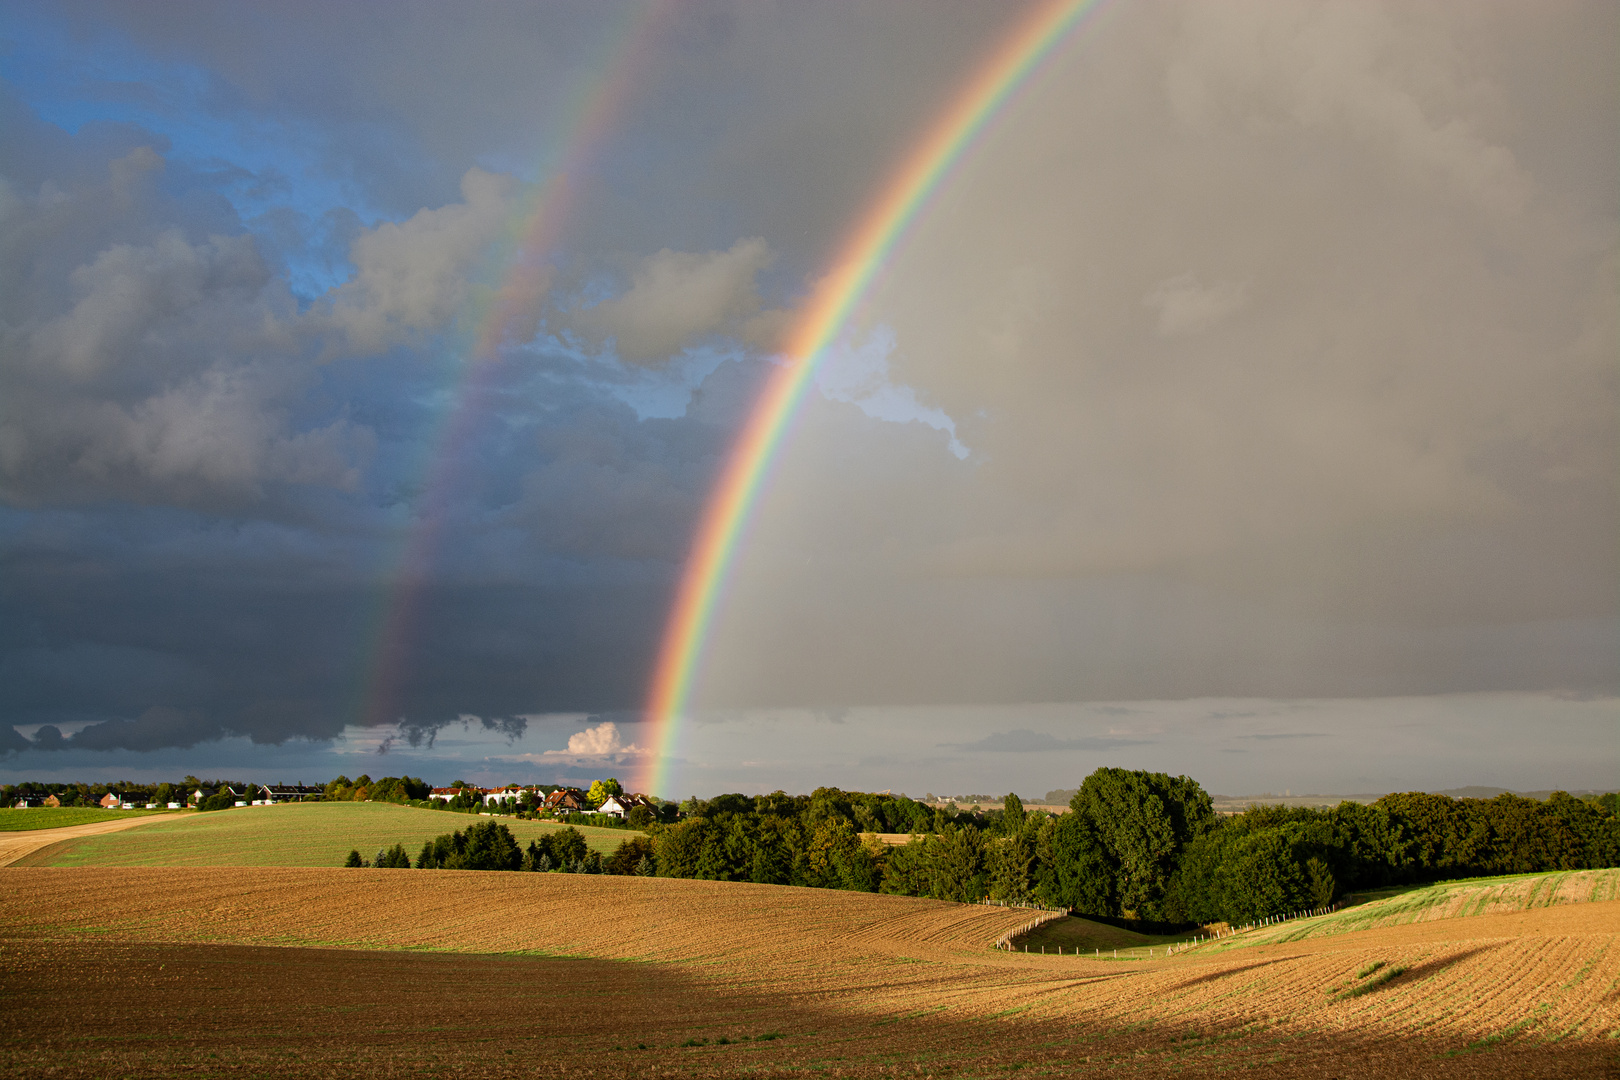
x,y
1226,973
75,1008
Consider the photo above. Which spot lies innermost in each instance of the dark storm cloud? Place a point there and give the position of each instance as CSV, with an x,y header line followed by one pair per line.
x,y
150,359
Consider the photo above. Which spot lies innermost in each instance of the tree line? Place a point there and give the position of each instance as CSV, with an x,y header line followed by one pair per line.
x,y
1134,844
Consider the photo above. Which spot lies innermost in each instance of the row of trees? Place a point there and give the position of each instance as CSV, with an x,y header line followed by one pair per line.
x,y
394,789
490,845
1137,845
1133,844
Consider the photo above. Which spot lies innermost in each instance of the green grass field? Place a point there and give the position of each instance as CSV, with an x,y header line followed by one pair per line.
x,y
58,817
1074,934
307,834
1367,911
1443,899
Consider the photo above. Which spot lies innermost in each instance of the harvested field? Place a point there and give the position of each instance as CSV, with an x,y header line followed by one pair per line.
x,y
854,983
296,834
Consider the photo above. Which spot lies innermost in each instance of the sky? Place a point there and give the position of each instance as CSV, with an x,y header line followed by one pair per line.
x,y
1243,404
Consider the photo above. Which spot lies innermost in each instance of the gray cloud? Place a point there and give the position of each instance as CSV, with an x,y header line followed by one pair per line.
x,y
678,298
141,361
1358,439
1023,741
414,277
1282,337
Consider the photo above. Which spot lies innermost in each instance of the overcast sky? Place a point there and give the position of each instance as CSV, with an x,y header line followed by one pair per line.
x,y
1244,405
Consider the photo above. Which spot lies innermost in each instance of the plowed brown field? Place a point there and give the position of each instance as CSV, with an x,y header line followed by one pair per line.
x,y
141,972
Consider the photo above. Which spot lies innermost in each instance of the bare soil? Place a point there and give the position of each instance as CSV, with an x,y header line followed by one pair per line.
x,y
138,972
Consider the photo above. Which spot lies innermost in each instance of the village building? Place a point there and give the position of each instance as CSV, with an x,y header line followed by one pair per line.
x,y
619,806
284,793
568,801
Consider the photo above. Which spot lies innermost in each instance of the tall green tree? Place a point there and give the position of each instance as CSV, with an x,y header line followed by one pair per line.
x,y
1140,821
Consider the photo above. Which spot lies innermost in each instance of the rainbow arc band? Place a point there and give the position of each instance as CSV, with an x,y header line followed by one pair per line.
x,y
921,172
535,225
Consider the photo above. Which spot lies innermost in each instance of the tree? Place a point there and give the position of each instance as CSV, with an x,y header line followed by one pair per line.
x,y
1010,862
1142,820
628,856
958,861
566,845
909,870
641,816
395,858
601,790
484,845
1012,814
354,858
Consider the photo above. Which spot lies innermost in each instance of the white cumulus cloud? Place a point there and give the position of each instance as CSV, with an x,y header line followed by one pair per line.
x,y
603,740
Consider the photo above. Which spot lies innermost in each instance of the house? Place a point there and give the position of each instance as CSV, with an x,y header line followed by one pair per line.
x,y
110,801
446,794
510,791
568,800
284,793
29,801
619,806
52,800
134,801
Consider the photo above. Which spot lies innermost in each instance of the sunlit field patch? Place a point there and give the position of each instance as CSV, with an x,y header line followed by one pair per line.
x,y
297,834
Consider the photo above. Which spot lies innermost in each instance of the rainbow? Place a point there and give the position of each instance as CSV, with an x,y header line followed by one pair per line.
x,y
862,253
495,315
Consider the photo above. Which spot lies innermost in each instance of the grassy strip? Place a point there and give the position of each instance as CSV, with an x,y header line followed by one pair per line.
x,y
61,817
1388,975
298,834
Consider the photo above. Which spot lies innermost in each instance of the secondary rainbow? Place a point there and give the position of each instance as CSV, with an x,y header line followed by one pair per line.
x,y
495,312
862,253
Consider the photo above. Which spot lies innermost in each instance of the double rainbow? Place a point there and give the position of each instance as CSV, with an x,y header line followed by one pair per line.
x,y
863,252
532,229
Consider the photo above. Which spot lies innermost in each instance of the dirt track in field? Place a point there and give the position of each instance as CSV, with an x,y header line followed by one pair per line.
x,y
866,985
16,845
